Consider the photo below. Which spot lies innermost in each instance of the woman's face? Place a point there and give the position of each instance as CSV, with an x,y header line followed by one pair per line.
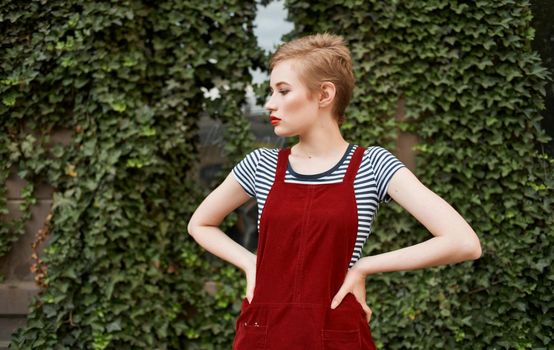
x,y
289,101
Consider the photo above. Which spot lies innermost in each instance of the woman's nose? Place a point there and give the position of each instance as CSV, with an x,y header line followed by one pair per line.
x,y
269,105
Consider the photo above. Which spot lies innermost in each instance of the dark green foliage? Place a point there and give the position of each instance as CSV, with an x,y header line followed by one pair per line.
x,y
473,91
126,79
543,43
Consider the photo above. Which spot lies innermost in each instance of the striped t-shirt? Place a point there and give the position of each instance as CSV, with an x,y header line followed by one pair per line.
x,y
256,174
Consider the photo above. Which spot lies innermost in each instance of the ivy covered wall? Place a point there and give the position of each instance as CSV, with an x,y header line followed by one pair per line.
x,y
126,79
543,43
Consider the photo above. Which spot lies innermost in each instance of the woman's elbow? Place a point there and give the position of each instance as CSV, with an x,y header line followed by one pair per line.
x,y
191,227
195,222
472,249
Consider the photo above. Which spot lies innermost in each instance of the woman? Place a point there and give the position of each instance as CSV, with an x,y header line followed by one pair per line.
x,y
316,201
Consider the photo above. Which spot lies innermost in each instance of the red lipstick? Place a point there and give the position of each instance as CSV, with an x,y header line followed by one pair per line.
x,y
274,120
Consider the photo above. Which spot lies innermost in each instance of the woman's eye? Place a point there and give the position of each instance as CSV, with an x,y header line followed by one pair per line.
x,y
282,92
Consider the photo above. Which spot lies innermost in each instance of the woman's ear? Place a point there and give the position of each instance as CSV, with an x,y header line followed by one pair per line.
x,y
327,94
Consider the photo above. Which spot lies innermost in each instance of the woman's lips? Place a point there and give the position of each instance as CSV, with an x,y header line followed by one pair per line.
x,y
274,120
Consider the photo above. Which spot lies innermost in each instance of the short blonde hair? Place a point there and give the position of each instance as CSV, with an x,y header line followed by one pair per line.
x,y
321,57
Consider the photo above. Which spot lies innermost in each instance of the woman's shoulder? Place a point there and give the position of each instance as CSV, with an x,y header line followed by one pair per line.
x,y
373,147
268,151
373,151
262,154
380,157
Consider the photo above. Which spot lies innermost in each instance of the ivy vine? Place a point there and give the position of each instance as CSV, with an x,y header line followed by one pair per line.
x,y
127,81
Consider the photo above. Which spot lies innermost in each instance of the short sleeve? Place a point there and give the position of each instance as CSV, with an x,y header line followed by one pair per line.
x,y
384,165
245,171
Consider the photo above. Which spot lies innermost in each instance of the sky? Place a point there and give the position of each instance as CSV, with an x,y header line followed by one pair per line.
x,y
269,26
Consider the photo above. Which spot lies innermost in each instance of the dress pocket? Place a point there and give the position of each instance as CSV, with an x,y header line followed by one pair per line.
x,y
251,328
335,339
250,336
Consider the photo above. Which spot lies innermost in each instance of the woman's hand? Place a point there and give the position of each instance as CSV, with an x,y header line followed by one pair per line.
x,y
354,283
250,272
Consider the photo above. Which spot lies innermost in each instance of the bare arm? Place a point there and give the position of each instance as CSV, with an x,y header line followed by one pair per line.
x,y
454,241
204,224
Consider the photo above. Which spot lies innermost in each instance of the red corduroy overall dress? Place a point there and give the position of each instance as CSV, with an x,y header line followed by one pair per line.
x,y
306,239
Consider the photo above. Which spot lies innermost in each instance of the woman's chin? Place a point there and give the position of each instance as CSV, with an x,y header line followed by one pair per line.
x,y
282,133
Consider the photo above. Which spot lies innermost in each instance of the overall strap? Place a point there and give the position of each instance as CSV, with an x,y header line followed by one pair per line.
x,y
354,165
282,161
